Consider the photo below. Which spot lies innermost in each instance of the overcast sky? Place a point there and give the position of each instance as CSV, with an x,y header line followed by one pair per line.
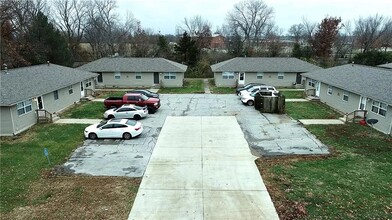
x,y
164,15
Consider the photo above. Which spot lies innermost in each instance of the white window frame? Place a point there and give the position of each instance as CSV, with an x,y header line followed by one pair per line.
x,y
280,75
228,75
56,95
70,90
26,106
345,94
117,75
169,76
138,76
329,90
259,75
379,107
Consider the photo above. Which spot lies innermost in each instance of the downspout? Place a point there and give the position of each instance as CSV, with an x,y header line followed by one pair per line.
x,y
12,120
390,128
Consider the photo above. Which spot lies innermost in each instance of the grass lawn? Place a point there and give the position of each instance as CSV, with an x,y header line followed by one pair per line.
x,y
105,94
353,183
222,90
92,110
310,110
293,94
22,158
190,86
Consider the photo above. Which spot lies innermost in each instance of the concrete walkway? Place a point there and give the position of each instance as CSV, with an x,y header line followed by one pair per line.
x,y
77,121
202,168
206,86
321,121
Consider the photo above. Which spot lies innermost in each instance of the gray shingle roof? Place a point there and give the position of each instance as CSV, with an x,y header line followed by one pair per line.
x,y
125,64
368,81
27,82
264,64
388,65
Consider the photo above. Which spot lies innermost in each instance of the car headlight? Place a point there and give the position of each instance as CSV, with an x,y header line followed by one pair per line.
x,y
156,103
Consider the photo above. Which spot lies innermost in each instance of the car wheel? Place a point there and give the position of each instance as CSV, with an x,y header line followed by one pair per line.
x,y
250,103
127,136
151,111
110,116
137,117
92,136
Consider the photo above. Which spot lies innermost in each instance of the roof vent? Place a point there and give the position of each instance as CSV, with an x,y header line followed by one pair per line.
x,y
48,62
5,68
352,63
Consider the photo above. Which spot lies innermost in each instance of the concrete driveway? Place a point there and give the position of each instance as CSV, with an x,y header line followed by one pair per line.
x,y
266,134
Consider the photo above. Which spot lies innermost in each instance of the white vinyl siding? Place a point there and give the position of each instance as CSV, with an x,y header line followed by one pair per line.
x,y
259,75
228,75
379,108
24,107
169,76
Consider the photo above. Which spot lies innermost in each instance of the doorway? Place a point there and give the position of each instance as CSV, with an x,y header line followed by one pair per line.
x,y
241,78
81,90
362,103
40,103
318,89
156,78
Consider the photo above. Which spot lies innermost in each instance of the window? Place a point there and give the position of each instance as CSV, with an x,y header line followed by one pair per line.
x,y
70,90
329,90
169,76
24,107
280,75
138,75
379,108
345,96
100,79
117,75
259,75
312,82
56,95
228,75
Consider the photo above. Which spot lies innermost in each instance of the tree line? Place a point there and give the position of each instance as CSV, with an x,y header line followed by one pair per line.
x,y
69,31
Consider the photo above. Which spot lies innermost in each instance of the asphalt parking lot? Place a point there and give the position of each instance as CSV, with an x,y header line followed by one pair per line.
x,y
266,134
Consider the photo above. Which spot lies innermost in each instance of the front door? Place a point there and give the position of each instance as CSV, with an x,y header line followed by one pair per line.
x,y
241,78
362,103
298,79
318,89
40,102
156,78
81,89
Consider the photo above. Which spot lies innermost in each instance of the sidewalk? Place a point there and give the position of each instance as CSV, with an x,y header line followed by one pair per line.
x,y
77,121
196,171
321,121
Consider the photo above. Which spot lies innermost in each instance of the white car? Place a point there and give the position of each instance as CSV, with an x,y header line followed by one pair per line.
x,y
114,128
256,88
127,111
249,99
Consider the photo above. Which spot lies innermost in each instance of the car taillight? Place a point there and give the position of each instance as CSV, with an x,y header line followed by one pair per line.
x,y
138,128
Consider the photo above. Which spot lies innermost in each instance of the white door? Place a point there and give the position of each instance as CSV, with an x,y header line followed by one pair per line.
x,y
81,90
318,89
241,78
362,103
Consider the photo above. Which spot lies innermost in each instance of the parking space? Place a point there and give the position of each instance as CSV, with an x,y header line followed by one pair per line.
x,y
266,134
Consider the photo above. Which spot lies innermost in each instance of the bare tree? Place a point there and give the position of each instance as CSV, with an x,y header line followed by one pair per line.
x,y
373,32
198,29
274,44
71,17
250,19
297,32
344,42
309,29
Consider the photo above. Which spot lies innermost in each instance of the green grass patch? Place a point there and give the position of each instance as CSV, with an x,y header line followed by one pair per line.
x,y
90,110
293,94
190,86
310,110
22,158
354,183
105,94
222,90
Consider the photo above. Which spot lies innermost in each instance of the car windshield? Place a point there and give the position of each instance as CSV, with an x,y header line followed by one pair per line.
x,y
102,123
131,122
144,97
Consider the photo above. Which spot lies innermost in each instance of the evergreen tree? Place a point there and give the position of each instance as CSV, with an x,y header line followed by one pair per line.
x,y
297,51
163,48
45,43
187,51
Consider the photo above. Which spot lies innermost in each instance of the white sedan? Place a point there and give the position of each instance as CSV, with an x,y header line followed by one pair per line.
x,y
249,99
114,128
127,111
